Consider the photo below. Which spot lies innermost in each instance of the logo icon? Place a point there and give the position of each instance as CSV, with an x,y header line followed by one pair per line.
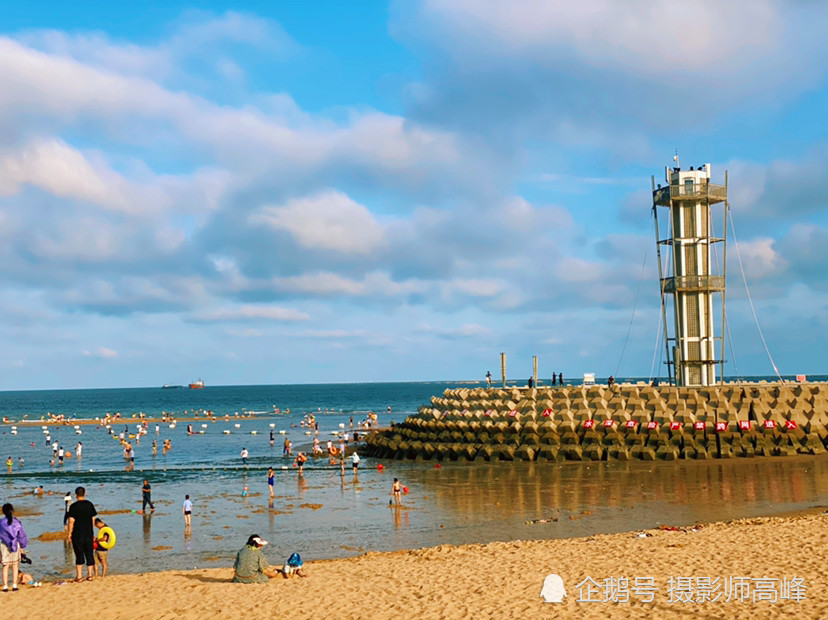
x,y
553,589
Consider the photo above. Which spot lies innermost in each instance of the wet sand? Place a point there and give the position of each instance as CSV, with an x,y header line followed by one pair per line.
x,y
501,579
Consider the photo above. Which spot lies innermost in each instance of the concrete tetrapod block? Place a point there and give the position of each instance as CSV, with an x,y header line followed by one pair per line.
x,y
572,452
549,453
526,452
617,453
592,452
667,452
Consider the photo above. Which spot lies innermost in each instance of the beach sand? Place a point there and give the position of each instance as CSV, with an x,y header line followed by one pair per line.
x,y
500,580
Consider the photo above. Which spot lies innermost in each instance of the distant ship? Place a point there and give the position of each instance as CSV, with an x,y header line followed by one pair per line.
x,y
197,385
168,386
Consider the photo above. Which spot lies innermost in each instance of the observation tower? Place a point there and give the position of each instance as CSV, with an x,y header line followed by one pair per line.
x,y
692,261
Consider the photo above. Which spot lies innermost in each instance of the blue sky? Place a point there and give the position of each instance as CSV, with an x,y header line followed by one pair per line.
x,y
260,192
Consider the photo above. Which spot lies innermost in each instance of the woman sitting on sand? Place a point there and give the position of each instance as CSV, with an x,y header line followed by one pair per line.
x,y
251,565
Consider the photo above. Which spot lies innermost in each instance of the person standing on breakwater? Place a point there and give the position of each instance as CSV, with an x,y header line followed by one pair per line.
x,y
560,378
81,535
531,382
270,480
488,379
146,497
187,510
13,540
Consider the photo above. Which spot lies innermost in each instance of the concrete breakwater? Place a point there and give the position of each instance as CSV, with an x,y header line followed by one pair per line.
x,y
621,422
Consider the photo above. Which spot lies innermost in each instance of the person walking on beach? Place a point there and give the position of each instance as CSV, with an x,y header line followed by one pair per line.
x,y
244,455
13,540
396,491
81,535
146,497
270,480
187,510
355,462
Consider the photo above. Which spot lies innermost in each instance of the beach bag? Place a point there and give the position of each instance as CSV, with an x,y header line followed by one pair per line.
x,y
294,560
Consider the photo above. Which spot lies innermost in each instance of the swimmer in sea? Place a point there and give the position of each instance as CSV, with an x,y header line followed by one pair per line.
x,y
270,480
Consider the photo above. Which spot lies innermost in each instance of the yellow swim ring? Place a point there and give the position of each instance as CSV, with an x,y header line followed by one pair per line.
x,y
106,538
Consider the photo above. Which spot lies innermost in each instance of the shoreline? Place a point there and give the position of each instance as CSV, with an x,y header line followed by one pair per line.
x,y
499,579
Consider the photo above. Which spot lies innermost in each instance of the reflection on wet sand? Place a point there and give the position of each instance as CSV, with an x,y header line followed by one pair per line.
x,y
626,495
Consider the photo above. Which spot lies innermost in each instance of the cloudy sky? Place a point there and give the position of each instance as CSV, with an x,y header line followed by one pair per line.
x,y
285,192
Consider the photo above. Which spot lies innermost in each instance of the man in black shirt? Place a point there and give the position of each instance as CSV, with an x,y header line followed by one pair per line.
x,y
146,495
81,534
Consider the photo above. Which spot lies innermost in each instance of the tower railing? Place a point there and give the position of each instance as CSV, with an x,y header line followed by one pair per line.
x,y
695,191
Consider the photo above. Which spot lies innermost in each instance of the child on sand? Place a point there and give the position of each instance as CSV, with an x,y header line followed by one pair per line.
x,y
100,552
293,566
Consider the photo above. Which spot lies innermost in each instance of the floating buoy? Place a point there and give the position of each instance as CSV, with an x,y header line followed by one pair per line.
x,y
282,432
438,466
76,427
14,432
254,432
14,428
272,425
237,425
307,432
380,466
79,432
226,432
108,542
203,426
45,428
342,425
200,432
284,466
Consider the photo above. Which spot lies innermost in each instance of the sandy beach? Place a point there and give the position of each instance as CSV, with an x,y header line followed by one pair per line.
x,y
500,579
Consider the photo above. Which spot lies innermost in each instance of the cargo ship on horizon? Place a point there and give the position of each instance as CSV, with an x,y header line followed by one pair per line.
x,y
197,385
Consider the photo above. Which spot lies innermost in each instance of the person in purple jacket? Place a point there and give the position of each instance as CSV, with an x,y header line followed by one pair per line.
x,y
13,540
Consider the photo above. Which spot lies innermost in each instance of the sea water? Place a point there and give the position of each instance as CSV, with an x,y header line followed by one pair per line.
x,y
324,513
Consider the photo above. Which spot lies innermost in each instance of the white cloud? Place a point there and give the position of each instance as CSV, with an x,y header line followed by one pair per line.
x,y
252,313
658,37
328,220
101,353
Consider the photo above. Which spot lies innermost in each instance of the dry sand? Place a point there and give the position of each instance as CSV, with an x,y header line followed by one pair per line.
x,y
499,580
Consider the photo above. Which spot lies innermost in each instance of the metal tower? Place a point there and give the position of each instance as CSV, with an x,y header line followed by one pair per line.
x,y
694,273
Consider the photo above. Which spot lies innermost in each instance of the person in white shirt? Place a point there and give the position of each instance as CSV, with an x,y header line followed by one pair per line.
x,y
355,462
244,455
79,450
187,510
